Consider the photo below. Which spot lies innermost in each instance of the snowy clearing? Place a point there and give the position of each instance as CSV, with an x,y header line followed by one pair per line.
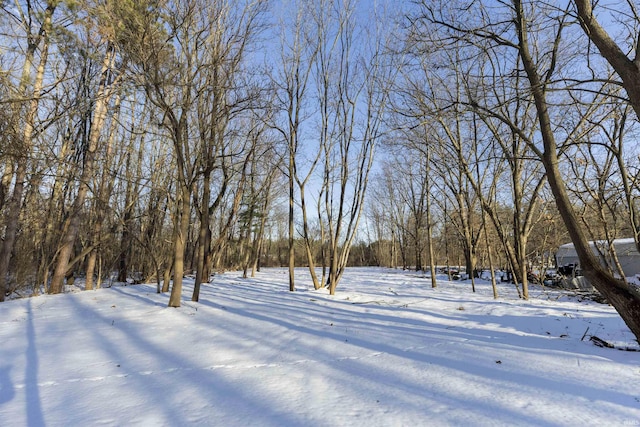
x,y
387,350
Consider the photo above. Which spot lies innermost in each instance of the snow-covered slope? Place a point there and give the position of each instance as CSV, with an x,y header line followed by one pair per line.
x,y
387,350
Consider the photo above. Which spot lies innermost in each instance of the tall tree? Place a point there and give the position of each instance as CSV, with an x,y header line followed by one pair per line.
x,y
521,31
187,55
28,94
225,96
297,57
625,298
109,81
354,80
168,72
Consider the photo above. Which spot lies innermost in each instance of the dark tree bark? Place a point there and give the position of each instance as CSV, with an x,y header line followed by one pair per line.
x,y
624,298
628,69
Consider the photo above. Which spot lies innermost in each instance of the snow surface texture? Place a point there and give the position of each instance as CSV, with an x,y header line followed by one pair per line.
x,y
387,350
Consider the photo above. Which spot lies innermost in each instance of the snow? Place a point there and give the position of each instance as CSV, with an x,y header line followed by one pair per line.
x,y
386,350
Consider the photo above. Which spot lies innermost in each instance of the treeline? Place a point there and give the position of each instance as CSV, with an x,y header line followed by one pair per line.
x,y
154,139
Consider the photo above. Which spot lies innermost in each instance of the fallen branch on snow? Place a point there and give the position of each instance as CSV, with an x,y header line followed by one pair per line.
x,y
604,344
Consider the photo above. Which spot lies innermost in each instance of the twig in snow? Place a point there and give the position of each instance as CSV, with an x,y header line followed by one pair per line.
x,y
585,334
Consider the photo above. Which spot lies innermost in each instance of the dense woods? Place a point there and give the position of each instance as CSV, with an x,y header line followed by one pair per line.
x,y
149,140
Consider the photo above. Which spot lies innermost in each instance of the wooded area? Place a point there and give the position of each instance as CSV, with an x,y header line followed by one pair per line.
x,y
148,140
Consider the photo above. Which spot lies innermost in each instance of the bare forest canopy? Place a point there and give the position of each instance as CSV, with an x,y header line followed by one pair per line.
x,y
148,140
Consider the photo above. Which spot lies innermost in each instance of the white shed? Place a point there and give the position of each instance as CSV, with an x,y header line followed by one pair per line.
x,y
625,249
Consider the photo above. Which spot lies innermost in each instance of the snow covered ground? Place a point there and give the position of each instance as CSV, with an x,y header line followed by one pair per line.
x,y
387,350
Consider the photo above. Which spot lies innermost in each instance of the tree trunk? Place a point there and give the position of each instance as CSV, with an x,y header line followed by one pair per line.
x,y
470,262
494,286
418,249
522,266
260,238
166,277
14,206
73,222
202,236
627,69
432,261
180,243
292,253
123,266
625,299
101,200
317,284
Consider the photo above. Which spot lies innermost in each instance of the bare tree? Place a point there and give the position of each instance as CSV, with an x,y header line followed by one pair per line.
x,y
541,52
98,209
263,173
188,67
168,74
297,58
416,187
28,95
486,152
225,97
624,298
391,217
109,80
627,67
351,74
